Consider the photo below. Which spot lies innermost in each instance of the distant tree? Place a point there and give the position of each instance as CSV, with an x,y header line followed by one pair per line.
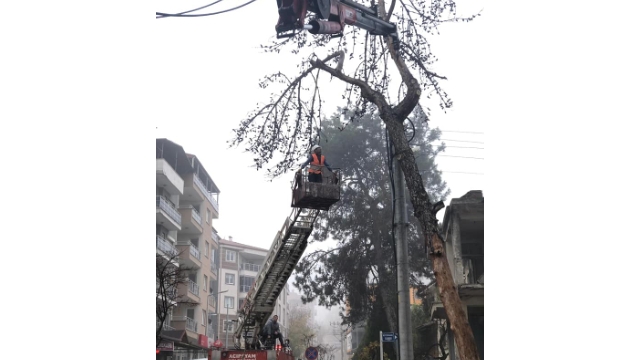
x,y
169,277
301,329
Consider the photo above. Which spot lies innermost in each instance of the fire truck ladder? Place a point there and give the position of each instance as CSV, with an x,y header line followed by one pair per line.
x,y
286,250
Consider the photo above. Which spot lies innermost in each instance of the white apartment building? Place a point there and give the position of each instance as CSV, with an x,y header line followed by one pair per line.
x,y
239,267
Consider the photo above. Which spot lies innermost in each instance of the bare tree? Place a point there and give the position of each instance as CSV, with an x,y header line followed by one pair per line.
x,y
169,277
286,126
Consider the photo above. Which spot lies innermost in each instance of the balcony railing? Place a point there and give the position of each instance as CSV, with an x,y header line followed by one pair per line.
x,y
194,288
245,288
192,325
166,246
164,205
206,193
215,237
196,216
214,269
212,301
250,267
194,251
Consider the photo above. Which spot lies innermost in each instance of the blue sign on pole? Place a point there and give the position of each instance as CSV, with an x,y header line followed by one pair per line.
x,y
389,337
311,353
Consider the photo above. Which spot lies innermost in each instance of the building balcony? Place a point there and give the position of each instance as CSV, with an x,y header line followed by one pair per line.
x,y
250,267
168,178
166,247
214,269
167,215
189,255
207,195
192,325
194,288
215,237
191,221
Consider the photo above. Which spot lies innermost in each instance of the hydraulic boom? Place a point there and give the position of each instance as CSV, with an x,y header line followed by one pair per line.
x,y
331,16
286,250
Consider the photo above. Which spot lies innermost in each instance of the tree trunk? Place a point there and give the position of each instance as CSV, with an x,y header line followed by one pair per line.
x,y
465,342
425,213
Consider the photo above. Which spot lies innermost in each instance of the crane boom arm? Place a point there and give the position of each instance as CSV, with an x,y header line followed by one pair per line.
x,y
285,252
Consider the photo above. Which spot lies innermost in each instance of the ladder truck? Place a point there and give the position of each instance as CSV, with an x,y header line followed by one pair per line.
x,y
307,200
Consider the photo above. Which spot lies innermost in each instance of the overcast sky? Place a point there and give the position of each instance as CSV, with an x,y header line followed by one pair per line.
x,y
204,70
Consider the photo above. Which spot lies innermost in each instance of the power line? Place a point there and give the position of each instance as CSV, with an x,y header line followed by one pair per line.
x,y
462,172
464,147
465,141
463,132
162,15
185,12
466,157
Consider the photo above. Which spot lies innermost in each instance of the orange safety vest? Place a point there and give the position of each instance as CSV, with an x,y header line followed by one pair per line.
x,y
316,166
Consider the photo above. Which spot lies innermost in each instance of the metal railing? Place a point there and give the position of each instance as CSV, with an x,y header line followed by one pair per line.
x,y
250,267
196,216
211,301
194,288
215,237
193,250
166,246
192,325
214,269
206,193
166,206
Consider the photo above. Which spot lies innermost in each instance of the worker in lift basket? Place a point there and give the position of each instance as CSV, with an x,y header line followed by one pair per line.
x,y
317,161
272,329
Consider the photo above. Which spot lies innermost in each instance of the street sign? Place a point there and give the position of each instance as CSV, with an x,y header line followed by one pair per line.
x,y
311,353
389,337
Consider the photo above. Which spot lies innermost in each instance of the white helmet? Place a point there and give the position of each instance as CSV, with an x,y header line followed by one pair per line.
x,y
314,147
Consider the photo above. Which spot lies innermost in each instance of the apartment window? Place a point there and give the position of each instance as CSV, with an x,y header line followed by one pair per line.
x,y
204,317
229,279
191,313
230,256
240,301
206,249
208,215
229,302
206,281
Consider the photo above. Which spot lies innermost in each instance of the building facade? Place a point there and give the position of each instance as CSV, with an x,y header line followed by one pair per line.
x,y
239,267
186,205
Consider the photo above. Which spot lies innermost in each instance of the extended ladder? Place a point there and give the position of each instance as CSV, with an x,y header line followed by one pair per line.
x,y
286,250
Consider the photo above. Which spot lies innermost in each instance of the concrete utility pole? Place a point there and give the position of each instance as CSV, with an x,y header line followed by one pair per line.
x,y
405,334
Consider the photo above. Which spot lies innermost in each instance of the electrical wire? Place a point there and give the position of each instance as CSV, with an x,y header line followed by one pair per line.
x,y
186,12
473,142
462,172
466,157
465,147
462,132
163,15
